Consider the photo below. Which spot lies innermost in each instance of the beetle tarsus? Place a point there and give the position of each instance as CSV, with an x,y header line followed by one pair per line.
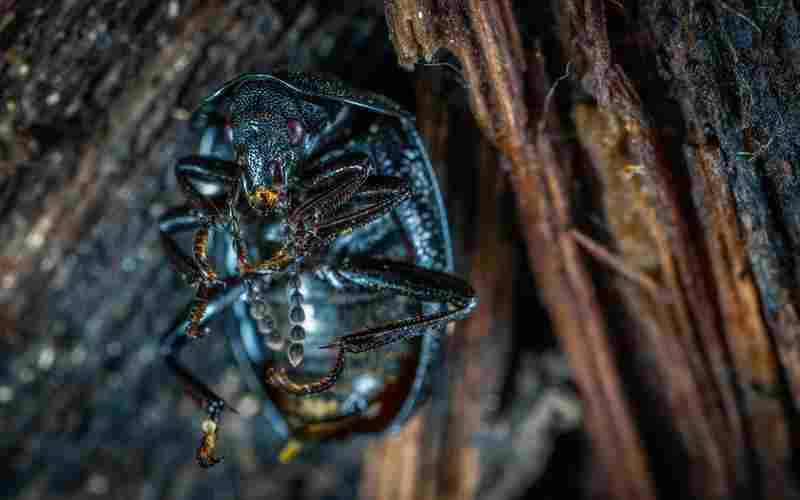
x,y
424,285
208,444
280,379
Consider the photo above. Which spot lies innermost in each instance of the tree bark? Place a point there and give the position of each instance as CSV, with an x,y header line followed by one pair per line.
x,y
678,183
620,179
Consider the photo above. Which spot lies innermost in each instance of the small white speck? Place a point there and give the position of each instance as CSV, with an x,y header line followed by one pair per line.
x,y
73,107
35,240
365,384
6,394
97,484
181,63
248,406
53,99
181,114
9,280
128,264
173,10
48,263
156,210
419,14
46,357
36,237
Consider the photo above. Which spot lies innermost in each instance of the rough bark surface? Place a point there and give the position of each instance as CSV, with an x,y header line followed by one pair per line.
x,y
655,139
620,176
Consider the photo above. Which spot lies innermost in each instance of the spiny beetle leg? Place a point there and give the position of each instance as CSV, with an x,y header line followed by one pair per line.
x,y
216,300
381,195
419,283
280,379
195,270
380,187
201,254
422,284
332,188
327,168
338,178
197,311
185,266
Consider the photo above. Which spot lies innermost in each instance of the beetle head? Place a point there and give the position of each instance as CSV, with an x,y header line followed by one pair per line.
x,y
267,133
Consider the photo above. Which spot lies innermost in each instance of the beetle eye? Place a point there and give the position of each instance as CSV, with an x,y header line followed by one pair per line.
x,y
295,131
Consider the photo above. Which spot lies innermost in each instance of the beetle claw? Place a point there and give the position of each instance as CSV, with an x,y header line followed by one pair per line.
x,y
205,453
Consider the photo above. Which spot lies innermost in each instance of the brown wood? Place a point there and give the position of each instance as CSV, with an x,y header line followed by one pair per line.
x,y
679,340
621,180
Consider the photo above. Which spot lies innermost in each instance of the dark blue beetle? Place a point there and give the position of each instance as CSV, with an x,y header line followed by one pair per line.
x,y
316,204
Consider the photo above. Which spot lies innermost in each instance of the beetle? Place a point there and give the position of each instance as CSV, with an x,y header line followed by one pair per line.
x,y
315,203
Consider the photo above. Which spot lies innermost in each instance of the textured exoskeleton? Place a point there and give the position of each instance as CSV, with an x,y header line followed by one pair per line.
x,y
316,204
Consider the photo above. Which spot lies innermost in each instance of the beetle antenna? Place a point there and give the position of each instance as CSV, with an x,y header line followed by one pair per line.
x,y
297,316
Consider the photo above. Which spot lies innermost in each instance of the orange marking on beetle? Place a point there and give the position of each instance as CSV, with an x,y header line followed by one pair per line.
x,y
279,378
278,262
201,243
205,453
201,251
196,316
263,195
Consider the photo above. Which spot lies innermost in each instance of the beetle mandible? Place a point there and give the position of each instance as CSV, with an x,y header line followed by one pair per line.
x,y
319,200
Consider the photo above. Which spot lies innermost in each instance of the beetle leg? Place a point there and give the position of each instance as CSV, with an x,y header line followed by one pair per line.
x,y
343,177
332,187
215,299
176,221
374,198
406,279
379,187
424,285
279,378
194,270
324,168
278,262
337,178
201,254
